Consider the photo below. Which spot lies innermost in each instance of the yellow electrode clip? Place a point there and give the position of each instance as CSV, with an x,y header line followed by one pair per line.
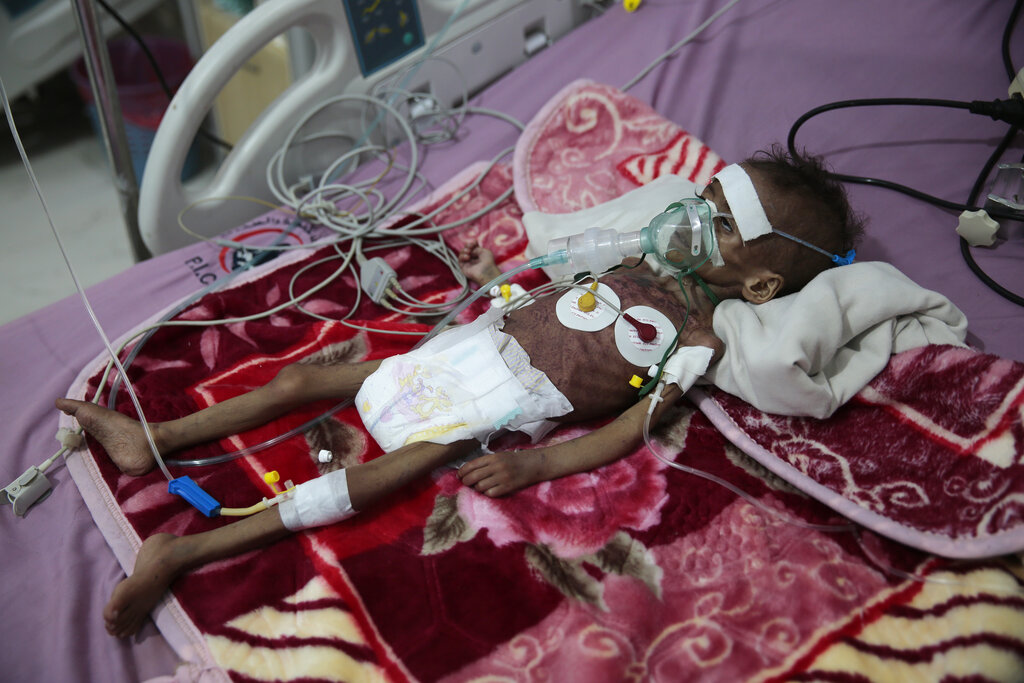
x,y
588,301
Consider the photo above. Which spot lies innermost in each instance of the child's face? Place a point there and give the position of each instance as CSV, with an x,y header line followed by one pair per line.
x,y
739,258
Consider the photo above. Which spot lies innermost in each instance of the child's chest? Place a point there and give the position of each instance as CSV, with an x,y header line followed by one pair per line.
x,y
593,367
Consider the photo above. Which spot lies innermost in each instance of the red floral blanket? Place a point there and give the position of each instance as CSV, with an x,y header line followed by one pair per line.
x,y
636,571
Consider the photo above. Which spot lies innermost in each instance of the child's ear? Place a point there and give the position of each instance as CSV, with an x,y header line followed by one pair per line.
x,y
762,286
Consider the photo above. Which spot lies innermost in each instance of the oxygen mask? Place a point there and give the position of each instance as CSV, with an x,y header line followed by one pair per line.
x,y
681,238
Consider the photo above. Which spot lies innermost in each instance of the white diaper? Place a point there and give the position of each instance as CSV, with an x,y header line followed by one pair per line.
x,y
466,383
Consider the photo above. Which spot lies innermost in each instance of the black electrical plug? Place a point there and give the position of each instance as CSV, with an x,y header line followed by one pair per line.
x,y
1009,111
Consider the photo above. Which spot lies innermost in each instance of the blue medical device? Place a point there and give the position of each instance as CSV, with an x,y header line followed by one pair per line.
x,y
383,31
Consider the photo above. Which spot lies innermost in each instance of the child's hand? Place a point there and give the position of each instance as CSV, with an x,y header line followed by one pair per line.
x,y
499,474
477,263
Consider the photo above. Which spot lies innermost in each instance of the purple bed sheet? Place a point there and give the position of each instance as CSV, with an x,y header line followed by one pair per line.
x,y
739,87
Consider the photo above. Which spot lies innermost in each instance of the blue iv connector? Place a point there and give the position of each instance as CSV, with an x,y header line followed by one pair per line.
x,y
197,497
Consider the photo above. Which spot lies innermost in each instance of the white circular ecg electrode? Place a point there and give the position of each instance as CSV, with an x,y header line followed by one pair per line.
x,y
636,350
569,314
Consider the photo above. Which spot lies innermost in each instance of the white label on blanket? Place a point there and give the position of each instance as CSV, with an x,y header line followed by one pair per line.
x,y
569,314
636,350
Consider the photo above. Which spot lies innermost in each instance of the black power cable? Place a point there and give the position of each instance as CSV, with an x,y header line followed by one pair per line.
x,y
156,67
965,247
1010,111
997,153
999,109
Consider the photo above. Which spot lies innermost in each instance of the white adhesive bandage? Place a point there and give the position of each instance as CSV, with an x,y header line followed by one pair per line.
x,y
685,366
318,502
744,205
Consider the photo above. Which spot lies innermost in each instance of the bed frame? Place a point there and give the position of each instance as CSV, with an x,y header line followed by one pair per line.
x,y
739,86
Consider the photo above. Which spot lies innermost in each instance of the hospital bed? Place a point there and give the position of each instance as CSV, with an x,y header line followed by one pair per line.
x,y
864,609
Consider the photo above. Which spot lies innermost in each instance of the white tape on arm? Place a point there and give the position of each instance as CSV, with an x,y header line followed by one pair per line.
x,y
318,502
686,365
744,205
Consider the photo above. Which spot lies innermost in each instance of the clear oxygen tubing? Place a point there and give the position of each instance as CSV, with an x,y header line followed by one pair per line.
x,y
668,53
1010,589
296,300
227,457
790,519
223,281
538,262
75,279
649,441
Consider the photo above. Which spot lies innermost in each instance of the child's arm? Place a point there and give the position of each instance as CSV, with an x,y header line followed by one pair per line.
x,y
499,474
477,264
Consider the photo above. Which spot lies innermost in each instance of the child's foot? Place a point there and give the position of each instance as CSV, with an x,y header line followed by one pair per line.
x,y
136,596
121,436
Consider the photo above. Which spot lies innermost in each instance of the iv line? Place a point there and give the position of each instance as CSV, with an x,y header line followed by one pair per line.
x,y
77,282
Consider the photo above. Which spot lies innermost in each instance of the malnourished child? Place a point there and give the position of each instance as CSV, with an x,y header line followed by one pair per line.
x,y
541,373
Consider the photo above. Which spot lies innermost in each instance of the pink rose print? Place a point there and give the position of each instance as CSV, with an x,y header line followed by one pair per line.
x,y
576,515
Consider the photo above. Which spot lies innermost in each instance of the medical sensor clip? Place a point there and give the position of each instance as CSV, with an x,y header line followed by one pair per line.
x,y
27,490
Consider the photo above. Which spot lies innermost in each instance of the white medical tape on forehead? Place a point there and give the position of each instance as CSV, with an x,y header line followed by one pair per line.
x,y
744,205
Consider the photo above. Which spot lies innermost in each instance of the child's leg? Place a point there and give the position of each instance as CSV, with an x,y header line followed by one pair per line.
x,y
370,481
296,385
163,557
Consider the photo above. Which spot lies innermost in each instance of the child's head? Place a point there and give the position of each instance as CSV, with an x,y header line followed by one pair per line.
x,y
799,198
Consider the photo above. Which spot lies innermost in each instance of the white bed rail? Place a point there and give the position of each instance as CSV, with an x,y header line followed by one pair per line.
x,y
487,38
163,196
